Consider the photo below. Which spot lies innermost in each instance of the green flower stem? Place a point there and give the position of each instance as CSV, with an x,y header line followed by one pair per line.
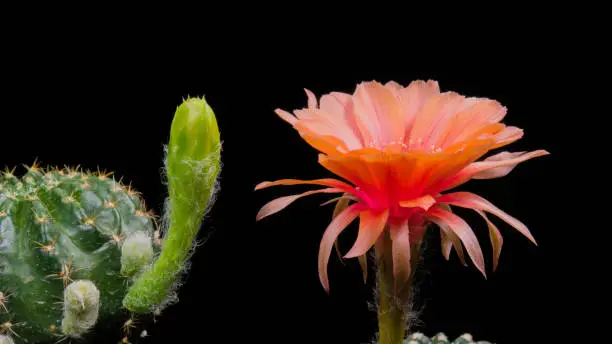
x,y
193,163
393,304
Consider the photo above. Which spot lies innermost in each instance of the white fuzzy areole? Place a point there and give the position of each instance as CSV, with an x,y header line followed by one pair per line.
x,y
6,339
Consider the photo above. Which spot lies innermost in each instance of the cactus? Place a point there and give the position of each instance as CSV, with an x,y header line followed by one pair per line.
x,y
80,252
440,338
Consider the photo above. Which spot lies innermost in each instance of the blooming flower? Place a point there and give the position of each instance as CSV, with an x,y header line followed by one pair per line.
x,y
398,148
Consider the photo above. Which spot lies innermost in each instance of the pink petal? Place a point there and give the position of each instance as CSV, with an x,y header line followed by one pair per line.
x,y
472,201
507,136
394,87
343,198
482,113
378,115
463,231
286,116
321,122
341,105
445,124
281,203
447,243
400,249
476,169
451,240
501,171
334,183
496,239
338,224
436,113
412,98
312,100
424,202
342,204
371,225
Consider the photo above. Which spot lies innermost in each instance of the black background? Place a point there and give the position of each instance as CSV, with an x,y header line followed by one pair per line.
x,y
107,100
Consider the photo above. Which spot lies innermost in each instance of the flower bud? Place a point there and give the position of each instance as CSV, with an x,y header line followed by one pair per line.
x,y
193,160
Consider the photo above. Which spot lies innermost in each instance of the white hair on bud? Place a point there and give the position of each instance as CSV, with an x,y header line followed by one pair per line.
x,y
172,297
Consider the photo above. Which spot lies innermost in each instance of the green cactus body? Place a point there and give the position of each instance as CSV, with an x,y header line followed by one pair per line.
x,y
62,227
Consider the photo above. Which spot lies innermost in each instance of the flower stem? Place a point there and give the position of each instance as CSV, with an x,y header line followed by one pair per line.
x,y
394,302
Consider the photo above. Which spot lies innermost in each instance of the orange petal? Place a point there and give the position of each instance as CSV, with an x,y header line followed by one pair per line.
x,y
320,137
496,239
352,168
322,123
281,203
453,161
400,249
424,202
471,120
463,231
472,201
338,224
489,131
370,227
479,113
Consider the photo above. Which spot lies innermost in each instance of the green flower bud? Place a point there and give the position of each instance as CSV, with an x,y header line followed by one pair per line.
x,y
193,154
192,166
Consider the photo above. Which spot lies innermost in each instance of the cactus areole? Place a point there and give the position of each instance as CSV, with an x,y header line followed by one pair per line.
x,y
81,253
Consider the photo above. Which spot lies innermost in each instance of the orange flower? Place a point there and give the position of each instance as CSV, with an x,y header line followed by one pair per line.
x,y
399,148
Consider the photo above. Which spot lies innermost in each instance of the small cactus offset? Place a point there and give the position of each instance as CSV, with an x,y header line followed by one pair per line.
x,y
440,338
80,253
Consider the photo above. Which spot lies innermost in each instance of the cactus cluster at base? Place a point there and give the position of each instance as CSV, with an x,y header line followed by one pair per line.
x,y
81,254
71,243
440,338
